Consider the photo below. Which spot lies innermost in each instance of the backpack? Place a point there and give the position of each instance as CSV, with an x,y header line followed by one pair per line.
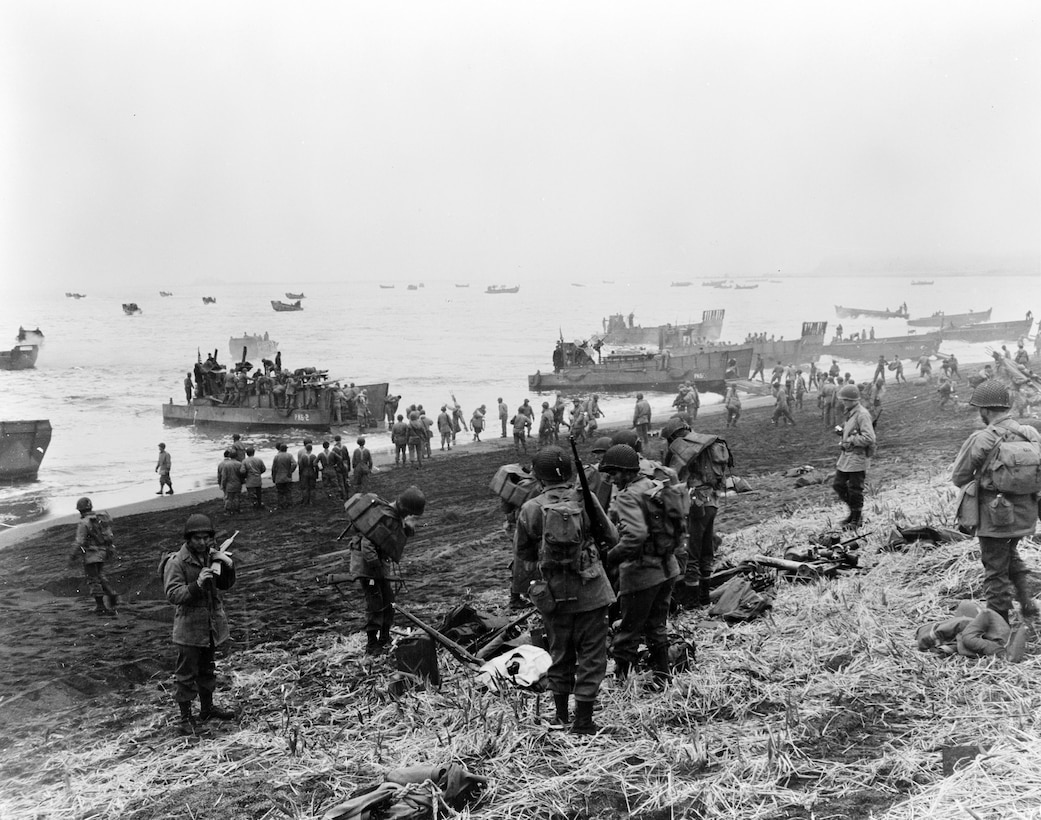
x,y
666,508
99,525
563,533
706,457
514,485
377,521
1015,466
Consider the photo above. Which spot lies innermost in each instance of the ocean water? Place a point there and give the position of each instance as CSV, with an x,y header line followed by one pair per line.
x,y
102,377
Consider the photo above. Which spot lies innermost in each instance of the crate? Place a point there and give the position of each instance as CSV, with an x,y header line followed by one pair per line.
x,y
514,485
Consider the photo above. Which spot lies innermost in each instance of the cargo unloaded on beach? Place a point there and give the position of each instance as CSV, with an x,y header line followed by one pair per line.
x,y
23,445
707,367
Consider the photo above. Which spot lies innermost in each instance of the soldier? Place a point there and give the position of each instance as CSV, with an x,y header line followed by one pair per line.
x,y
1003,517
521,423
307,469
444,427
759,366
826,400
416,439
238,449
255,468
94,545
373,564
283,465
898,369
390,407
642,417
188,388
361,463
477,422
732,402
781,407
230,474
340,461
572,591
857,446
647,567
163,468
399,438
193,578
545,425
504,415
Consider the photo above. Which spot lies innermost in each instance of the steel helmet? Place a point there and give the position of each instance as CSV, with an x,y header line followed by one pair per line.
x,y
551,464
198,523
602,444
620,457
674,427
412,501
84,504
628,437
991,394
849,391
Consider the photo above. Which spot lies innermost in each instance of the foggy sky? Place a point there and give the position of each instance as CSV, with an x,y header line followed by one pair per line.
x,y
502,142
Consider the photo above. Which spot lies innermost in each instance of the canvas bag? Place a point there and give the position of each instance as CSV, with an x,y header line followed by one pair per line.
x,y
99,525
666,508
375,519
514,485
563,534
1016,465
707,457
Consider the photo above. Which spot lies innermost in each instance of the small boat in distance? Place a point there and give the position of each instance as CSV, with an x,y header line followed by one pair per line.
x,y
29,337
577,285
131,309
75,295
502,289
413,287
387,287
745,287
295,295
165,293
282,307
680,285
463,286
209,300
921,281
23,445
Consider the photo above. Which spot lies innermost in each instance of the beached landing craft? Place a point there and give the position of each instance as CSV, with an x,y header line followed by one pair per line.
x,y
282,307
257,347
618,332
575,368
868,350
852,313
131,309
941,319
23,445
804,350
989,331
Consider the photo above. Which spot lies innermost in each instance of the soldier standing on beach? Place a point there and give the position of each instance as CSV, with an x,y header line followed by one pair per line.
x,y
193,578
307,467
642,418
361,463
283,465
94,545
255,468
230,474
163,468
858,446
504,415
340,460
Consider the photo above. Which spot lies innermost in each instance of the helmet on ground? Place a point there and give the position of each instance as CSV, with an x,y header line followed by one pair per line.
x,y
602,444
991,394
620,457
849,391
627,437
197,522
551,464
674,427
412,501
84,504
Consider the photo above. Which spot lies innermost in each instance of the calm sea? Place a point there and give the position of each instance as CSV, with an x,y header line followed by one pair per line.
x,y
102,376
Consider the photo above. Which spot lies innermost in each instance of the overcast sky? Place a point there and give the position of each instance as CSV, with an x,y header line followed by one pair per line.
x,y
375,140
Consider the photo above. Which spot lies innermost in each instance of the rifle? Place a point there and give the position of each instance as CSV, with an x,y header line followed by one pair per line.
x,y
593,509
460,652
346,530
498,637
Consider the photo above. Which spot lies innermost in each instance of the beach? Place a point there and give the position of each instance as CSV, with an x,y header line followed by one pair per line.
x,y
63,667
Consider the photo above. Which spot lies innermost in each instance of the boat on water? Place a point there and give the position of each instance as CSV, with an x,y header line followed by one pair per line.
x,y
745,287
413,287
680,285
29,337
23,445
618,332
576,369
75,295
868,350
852,313
607,281
387,287
921,281
502,289
19,357
715,283
282,307
209,300
577,285
165,293
805,349
131,309
989,331
253,346
295,295
463,286
941,319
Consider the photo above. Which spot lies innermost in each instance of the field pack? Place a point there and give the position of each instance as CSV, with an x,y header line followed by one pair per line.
x,y
706,457
1015,466
563,534
514,485
377,521
666,507
99,525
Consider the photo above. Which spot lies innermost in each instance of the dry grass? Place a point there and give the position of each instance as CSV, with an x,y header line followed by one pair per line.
x,y
821,702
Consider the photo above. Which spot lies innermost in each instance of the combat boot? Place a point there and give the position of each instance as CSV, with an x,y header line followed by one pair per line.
x,y
99,606
372,643
518,601
659,663
622,668
584,723
1027,606
111,602
186,724
207,709
704,594
855,521
561,717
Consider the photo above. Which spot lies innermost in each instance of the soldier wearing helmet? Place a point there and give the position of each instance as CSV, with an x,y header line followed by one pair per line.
x,y
193,578
163,468
573,597
93,545
374,563
642,417
648,466
645,580
857,447
1003,518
